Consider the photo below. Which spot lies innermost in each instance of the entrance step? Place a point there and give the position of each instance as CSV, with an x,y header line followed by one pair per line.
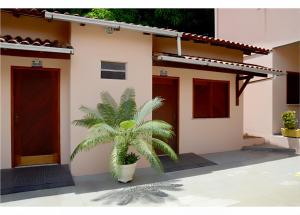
x,y
253,140
269,148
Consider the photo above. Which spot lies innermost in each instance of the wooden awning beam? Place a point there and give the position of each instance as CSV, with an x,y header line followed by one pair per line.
x,y
238,90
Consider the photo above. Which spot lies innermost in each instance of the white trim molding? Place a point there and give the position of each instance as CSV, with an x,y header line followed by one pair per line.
x,y
4,45
112,24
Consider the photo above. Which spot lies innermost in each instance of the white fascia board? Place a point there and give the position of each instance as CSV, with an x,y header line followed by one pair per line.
x,y
112,24
35,48
214,64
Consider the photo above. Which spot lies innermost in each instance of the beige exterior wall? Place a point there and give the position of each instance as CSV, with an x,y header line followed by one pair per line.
x,y
81,85
263,27
275,29
199,135
92,45
26,26
285,58
64,66
161,44
33,27
205,135
258,106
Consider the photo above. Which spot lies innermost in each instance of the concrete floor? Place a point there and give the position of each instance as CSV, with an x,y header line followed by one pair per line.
x,y
241,178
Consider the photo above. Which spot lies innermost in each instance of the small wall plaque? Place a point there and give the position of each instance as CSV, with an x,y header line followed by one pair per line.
x,y
37,63
163,72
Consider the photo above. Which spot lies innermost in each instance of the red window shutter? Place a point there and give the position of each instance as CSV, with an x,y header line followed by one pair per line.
x,y
220,99
211,98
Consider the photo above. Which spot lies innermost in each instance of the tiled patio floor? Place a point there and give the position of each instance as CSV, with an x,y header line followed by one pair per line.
x,y
241,178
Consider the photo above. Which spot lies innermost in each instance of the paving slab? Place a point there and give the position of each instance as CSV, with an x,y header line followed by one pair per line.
x,y
241,178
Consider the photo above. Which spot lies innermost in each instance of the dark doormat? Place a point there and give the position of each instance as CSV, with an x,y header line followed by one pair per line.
x,y
185,161
35,178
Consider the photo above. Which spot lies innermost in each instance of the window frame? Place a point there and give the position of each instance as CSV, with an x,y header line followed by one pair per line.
x,y
113,70
227,82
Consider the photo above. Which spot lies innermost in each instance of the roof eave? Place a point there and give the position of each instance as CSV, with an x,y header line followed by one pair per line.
x,y
112,24
5,45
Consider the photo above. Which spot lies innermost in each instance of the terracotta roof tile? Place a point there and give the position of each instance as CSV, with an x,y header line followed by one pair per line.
x,y
248,49
34,42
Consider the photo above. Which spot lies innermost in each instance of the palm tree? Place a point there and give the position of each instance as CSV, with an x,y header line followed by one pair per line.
x,y
124,125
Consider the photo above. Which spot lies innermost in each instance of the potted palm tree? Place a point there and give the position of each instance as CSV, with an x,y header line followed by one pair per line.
x,y
126,127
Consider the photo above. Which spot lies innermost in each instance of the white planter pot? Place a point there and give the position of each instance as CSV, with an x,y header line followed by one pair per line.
x,y
126,172
294,143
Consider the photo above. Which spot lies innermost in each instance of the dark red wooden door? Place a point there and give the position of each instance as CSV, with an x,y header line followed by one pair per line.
x,y
167,88
35,116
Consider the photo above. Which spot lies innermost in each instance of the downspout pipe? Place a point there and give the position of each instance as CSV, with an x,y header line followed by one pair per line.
x,y
179,45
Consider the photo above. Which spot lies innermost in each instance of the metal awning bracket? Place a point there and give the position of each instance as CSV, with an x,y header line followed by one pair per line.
x,y
238,90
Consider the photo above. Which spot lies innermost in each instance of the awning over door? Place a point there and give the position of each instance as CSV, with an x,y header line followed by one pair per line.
x,y
244,71
18,46
185,61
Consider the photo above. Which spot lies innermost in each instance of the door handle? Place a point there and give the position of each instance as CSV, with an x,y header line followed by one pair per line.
x,y
17,117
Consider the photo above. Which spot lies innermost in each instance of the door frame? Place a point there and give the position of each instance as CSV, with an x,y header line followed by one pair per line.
x,y
12,108
178,104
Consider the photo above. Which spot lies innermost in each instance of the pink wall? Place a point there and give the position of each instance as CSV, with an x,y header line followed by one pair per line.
x,y
286,58
82,85
196,49
264,27
5,103
205,135
92,45
26,26
276,29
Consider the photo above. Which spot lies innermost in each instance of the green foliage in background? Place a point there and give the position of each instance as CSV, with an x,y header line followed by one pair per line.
x,y
199,21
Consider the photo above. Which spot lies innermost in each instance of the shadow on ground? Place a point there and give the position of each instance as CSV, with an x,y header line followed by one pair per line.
x,y
154,193
36,194
224,160
146,177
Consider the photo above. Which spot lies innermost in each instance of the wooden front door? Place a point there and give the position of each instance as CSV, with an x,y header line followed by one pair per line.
x,y
168,89
35,116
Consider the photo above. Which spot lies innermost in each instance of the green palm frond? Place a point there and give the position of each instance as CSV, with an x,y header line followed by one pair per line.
x,y
123,125
90,143
108,113
90,111
108,99
102,129
118,154
87,122
147,108
122,146
129,94
164,147
127,107
156,128
126,110
91,117
114,161
146,150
